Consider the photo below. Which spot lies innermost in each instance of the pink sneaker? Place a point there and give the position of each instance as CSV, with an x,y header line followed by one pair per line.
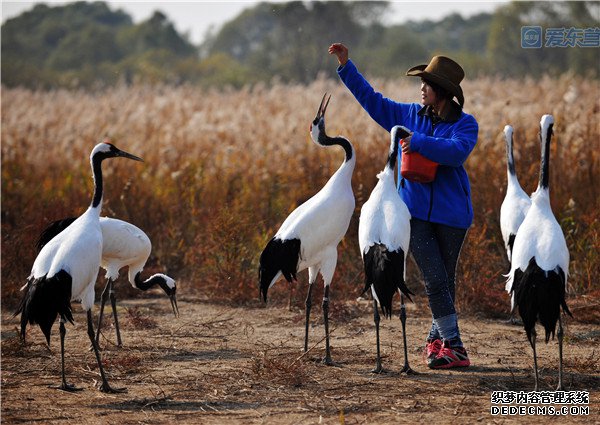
x,y
432,349
449,357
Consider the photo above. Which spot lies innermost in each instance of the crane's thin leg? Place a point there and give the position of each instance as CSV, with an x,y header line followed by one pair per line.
x,y
103,299
308,304
104,387
376,319
64,386
560,353
535,366
406,369
291,296
113,303
327,360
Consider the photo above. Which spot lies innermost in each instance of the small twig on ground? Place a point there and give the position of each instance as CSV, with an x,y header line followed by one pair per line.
x,y
164,395
458,408
512,374
156,401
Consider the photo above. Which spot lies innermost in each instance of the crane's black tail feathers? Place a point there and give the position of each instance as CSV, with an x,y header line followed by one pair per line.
x,y
44,299
384,270
52,230
511,243
278,256
540,294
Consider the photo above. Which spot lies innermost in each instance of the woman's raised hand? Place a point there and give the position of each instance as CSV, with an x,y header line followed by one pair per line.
x,y
340,51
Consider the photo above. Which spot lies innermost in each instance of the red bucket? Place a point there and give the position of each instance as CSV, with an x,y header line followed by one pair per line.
x,y
416,168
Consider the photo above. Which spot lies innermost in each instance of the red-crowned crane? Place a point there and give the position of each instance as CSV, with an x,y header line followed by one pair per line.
x,y
66,268
516,202
308,238
384,236
540,262
123,245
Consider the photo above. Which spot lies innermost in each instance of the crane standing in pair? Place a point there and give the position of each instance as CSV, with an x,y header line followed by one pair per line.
x,y
537,280
66,268
123,244
516,202
515,205
384,237
308,238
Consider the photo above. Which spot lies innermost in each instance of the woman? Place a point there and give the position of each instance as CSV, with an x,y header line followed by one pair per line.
x,y
441,210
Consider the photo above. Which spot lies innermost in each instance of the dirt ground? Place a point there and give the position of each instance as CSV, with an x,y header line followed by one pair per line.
x,y
243,365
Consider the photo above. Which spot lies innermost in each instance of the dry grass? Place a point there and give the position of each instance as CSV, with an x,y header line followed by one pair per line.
x,y
268,367
138,320
223,169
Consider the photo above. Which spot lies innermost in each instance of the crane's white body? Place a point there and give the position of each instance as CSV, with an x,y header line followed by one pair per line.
x,y
384,219
513,210
539,236
123,245
321,222
77,250
516,202
126,245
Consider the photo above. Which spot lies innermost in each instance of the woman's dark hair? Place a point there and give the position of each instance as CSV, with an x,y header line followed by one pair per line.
x,y
439,91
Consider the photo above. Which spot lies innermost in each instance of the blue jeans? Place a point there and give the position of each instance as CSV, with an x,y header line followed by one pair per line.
x,y
436,248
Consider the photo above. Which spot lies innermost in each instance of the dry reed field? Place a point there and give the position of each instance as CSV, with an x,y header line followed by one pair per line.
x,y
222,170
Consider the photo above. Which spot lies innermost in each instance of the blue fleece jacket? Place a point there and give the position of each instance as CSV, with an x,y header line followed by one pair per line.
x,y
446,200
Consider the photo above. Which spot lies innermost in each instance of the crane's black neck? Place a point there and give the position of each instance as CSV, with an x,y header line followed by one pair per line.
x,y
393,155
98,183
325,140
144,285
545,166
510,160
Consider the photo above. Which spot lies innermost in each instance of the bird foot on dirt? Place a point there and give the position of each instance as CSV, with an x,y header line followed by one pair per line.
x,y
378,370
66,387
408,371
327,361
105,388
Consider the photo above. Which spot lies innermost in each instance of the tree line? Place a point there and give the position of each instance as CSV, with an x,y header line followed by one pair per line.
x,y
86,44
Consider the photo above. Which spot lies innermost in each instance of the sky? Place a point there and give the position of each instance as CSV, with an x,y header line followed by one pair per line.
x,y
195,18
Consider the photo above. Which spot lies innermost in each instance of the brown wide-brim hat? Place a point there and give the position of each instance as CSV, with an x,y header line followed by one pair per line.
x,y
444,72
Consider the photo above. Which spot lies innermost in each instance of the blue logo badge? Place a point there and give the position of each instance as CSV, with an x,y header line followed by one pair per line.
x,y
531,37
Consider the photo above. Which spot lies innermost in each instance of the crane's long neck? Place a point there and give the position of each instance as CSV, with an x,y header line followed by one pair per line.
x,y
324,140
393,153
98,183
341,141
545,135
510,160
144,285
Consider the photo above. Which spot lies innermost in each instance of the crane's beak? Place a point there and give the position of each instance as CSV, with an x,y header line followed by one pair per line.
x,y
322,109
173,299
128,155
